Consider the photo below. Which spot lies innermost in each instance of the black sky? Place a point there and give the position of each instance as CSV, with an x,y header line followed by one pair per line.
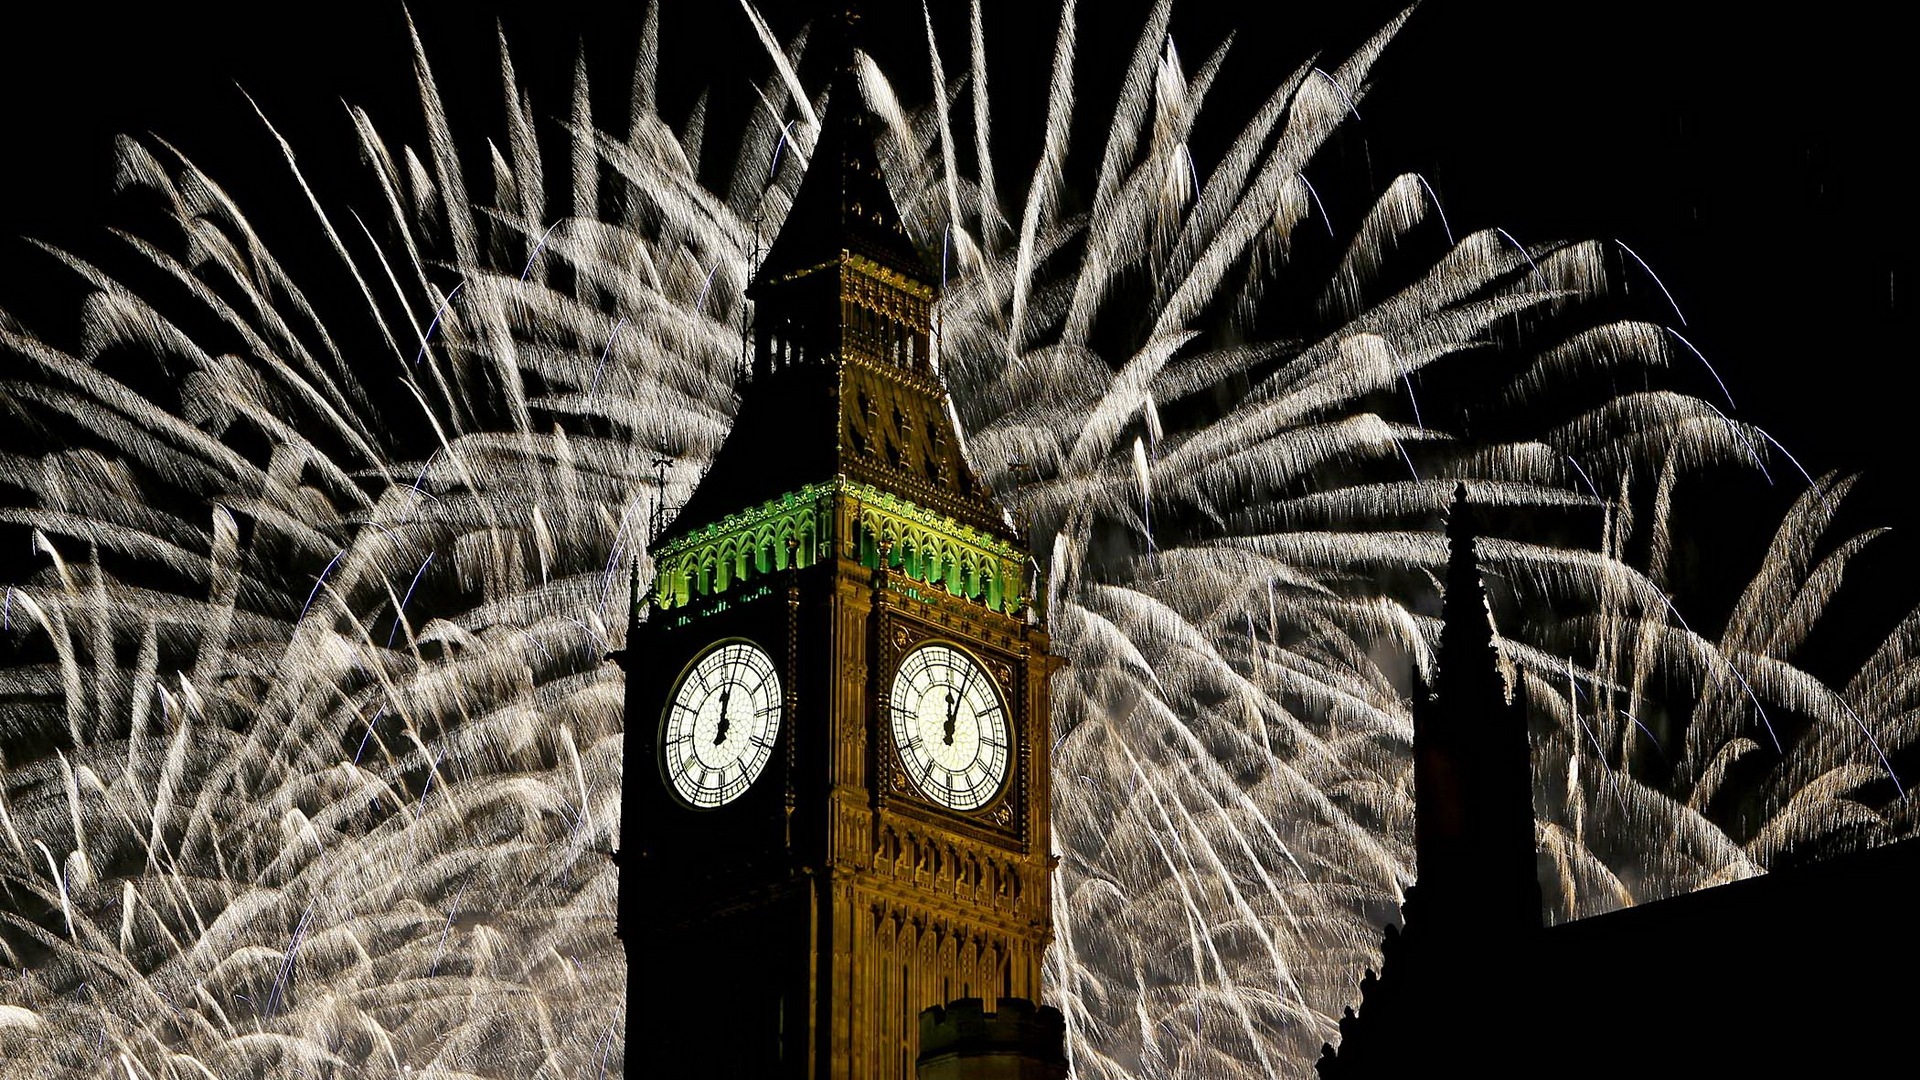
x,y
1751,162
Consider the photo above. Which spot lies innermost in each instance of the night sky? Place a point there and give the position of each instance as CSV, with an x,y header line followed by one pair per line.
x,y
1751,163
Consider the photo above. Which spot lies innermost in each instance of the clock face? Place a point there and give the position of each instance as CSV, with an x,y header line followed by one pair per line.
x,y
720,728
950,727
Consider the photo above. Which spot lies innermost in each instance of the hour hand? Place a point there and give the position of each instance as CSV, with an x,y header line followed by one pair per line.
x,y
720,731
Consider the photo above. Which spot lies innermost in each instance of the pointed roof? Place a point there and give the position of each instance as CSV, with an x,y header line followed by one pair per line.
x,y
842,387
1473,777
1468,657
843,204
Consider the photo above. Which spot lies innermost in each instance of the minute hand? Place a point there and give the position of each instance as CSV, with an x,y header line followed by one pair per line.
x,y
967,680
955,697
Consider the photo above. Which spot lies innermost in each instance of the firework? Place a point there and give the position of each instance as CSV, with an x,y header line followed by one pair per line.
x,y
313,760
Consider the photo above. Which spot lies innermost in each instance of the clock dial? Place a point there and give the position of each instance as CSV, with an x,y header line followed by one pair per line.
x,y
720,728
950,727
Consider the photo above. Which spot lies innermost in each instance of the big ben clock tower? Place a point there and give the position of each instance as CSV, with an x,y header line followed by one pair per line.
x,y
836,735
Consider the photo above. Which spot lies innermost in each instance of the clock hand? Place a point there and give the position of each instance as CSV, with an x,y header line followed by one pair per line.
x,y
953,700
720,732
968,680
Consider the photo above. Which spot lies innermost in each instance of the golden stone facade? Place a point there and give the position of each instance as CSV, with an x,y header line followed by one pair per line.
x,y
800,927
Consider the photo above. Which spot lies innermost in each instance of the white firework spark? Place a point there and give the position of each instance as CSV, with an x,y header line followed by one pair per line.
x,y
313,760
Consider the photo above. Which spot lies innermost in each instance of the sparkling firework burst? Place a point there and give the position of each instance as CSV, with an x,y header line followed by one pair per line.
x,y
312,759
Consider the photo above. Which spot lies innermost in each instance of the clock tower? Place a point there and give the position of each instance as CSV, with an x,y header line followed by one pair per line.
x,y
836,780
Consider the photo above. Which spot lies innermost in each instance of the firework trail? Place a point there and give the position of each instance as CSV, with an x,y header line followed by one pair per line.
x,y
312,757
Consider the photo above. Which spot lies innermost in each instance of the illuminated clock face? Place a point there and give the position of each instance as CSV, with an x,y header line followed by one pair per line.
x,y
950,727
721,727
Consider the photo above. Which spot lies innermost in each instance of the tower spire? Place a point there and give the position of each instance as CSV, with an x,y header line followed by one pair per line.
x,y
1473,777
844,204
837,787
1471,917
843,308
845,25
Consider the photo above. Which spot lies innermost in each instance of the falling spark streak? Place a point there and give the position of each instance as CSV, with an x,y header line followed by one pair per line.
x,y
537,249
1434,197
1758,708
1404,456
440,949
536,643
606,1048
1599,751
700,300
1584,478
1573,686
1727,663
1352,109
1753,452
592,635
363,739
1406,379
433,771
1703,360
285,973
421,476
1656,280
321,580
1231,734
615,332
773,167
1318,205
1521,248
1651,737
614,550
435,324
400,612
1817,488
1878,750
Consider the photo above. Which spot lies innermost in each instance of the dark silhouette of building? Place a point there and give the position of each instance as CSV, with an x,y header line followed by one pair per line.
x,y
1018,1041
1802,972
836,784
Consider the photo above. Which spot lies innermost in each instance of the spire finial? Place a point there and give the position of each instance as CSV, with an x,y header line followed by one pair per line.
x,y
1462,531
633,595
845,26
1467,649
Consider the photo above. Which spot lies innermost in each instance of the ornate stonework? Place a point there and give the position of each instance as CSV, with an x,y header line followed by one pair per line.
x,y
855,521
800,927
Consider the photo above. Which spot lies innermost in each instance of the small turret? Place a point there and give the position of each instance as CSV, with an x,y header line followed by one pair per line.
x,y
1018,1041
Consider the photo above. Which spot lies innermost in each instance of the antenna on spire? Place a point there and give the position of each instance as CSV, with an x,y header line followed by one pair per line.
x,y
658,520
633,599
846,29
746,326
